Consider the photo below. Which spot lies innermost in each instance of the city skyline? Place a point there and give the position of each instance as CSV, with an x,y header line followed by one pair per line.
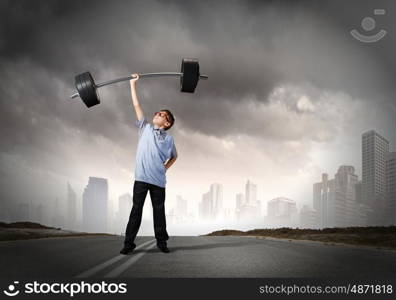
x,y
336,202
230,203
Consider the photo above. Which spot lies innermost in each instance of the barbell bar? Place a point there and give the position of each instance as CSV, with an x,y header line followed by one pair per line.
x,y
87,88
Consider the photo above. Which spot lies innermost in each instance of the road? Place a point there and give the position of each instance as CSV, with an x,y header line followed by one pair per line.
x,y
191,257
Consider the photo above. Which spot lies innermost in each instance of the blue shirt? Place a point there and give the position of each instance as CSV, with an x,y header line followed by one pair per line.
x,y
155,147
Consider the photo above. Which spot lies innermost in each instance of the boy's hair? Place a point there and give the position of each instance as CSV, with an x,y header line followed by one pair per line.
x,y
171,118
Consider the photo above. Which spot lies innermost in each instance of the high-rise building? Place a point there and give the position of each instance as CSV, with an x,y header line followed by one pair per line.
x,y
216,194
375,149
205,207
336,202
239,201
282,211
251,193
391,188
358,192
211,205
179,213
308,217
247,206
321,199
181,206
125,203
71,207
345,205
281,206
95,198
363,210
124,210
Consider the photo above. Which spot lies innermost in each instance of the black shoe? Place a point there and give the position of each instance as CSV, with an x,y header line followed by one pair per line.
x,y
163,248
127,249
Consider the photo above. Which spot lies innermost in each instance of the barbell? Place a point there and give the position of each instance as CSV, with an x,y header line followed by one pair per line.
x,y
87,89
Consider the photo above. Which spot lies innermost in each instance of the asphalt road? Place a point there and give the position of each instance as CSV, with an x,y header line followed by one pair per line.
x,y
191,257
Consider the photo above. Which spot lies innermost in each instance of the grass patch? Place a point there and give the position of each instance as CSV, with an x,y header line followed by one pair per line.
x,y
30,230
378,236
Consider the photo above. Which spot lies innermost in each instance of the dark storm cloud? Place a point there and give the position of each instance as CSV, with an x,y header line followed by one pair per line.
x,y
246,48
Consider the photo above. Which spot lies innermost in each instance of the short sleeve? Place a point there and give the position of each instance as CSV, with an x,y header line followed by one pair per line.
x,y
174,151
171,148
141,124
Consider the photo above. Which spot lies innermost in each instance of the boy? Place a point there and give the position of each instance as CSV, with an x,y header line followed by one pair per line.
x,y
156,152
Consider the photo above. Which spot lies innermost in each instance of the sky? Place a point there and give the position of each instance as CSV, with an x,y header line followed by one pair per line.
x,y
289,94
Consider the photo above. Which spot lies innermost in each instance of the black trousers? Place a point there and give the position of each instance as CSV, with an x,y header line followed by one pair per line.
x,y
157,195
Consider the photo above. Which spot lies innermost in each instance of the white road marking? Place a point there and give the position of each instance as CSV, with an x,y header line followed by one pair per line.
x,y
121,269
109,262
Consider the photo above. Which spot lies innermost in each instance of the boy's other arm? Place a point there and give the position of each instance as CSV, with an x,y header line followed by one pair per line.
x,y
135,100
170,162
173,158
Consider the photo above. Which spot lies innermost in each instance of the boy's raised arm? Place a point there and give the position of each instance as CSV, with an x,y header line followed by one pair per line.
x,y
135,100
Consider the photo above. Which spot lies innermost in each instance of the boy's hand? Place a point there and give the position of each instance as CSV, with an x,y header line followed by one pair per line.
x,y
169,162
135,77
135,100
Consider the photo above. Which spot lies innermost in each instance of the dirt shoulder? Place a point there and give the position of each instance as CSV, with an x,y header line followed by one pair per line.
x,y
375,236
30,230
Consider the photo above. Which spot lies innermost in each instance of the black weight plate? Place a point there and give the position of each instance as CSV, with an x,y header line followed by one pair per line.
x,y
190,75
84,94
77,83
92,96
80,86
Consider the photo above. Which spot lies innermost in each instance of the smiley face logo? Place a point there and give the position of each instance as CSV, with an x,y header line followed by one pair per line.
x,y
12,290
368,24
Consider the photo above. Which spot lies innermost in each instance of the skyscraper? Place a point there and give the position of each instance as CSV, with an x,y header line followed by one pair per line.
x,y
375,149
124,210
125,203
181,206
345,205
249,206
336,202
358,192
212,202
308,217
239,201
251,193
95,198
216,194
391,188
205,207
321,199
282,211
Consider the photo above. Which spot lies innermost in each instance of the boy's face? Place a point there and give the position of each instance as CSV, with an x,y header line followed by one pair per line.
x,y
161,119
